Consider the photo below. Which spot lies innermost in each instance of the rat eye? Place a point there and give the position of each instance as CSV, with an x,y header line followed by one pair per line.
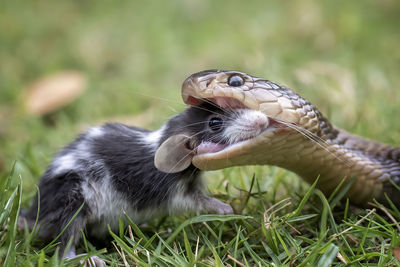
x,y
235,81
215,123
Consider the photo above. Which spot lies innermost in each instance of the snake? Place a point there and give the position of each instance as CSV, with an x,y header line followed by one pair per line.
x,y
299,139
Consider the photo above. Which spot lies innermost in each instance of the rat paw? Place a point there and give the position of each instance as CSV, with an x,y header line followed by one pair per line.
x,y
219,207
223,209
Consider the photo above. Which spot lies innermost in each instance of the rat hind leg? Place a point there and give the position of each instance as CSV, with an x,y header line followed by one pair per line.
x,y
72,232
71,226
60,199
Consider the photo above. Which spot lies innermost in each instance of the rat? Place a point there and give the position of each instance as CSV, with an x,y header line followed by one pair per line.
x,y
115,168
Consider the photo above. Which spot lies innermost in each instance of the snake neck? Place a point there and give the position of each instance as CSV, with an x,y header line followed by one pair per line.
x,y
385,158
340,155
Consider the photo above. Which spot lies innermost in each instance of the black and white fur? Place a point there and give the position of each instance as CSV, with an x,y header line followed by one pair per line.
x,y
111,170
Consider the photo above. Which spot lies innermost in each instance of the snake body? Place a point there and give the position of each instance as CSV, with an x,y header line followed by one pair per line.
x,y
299,139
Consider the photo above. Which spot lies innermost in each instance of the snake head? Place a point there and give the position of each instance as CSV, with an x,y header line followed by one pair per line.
x,y
238,90
297,137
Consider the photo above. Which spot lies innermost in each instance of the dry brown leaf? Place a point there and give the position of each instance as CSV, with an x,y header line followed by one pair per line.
x,y
53,92
396,253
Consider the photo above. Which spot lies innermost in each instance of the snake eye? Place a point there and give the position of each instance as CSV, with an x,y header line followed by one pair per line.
x,y
215,124
235,81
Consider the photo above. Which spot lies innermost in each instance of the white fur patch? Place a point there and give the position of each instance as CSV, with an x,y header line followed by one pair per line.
x,y
154,137
248,124
64,163
83,150
107,205
95,132
181,202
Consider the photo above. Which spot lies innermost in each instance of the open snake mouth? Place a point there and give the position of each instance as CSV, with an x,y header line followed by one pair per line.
x,y
233,89
237,90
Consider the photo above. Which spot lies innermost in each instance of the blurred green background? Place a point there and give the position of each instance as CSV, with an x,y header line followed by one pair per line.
x,y
342,55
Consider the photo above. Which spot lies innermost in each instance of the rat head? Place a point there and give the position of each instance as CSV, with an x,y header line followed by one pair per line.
x,y
205,129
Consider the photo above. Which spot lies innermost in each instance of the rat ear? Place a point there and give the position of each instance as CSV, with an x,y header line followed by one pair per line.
x,y
173,155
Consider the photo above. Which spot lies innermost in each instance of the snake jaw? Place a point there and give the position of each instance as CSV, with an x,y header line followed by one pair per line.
x,y
240,152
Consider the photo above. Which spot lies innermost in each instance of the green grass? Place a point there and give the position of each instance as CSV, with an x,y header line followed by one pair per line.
x,y
341,55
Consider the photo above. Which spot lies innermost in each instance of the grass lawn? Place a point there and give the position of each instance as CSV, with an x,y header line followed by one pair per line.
x,y
341,55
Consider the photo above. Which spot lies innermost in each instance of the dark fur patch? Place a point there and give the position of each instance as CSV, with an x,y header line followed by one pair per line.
x,y
130,163
122,153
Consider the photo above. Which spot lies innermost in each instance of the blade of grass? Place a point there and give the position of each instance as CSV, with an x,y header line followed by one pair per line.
x,y
205,218
304,200
188,248
137,230
63,230
328,256
341,193
182,261
16,206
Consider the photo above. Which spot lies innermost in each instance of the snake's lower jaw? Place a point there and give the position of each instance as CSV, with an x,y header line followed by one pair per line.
x,y
238,154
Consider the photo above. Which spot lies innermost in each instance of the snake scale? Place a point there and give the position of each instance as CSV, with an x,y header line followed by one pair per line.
x,y
299,138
